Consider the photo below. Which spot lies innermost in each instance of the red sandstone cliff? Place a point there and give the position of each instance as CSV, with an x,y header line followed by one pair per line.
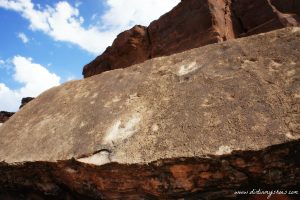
x,y
194,23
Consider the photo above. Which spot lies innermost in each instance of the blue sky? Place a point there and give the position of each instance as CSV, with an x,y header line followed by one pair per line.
x,y
45,43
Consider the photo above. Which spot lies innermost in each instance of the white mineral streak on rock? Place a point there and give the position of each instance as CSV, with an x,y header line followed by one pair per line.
x,y
292,137
186,69
122,129
223,150
100,158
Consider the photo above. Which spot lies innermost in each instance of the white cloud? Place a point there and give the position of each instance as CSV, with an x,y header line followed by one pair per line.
x,y
2,62
35,79
64,23
23,37
126,13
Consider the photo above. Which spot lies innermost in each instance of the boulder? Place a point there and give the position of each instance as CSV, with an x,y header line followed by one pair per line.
x,y
199,124
195,23
25,100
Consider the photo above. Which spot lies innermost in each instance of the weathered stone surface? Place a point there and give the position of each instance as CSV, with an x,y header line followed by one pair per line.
x,y
171,118
195,23
237,95
214,177
25,100
4,116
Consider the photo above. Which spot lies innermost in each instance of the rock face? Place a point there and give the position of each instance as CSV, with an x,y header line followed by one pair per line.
x,y
217,177
4,116
195,23
25,101
133,43
212,97
162,130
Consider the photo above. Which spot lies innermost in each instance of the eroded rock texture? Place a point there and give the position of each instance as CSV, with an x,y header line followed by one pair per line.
x,y
162,131
240,94
214,177
195,23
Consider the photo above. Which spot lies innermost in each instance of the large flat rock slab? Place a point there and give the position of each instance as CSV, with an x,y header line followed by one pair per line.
x,y
237,95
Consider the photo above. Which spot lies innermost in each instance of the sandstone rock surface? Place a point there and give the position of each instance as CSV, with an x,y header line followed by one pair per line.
x,y
162,130
195,23
236,95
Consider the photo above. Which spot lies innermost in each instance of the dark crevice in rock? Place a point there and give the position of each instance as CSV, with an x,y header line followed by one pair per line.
x,y
94,153
240,29
150,43
241,24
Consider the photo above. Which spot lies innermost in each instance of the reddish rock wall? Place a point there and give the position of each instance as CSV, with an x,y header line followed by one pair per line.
x,y
195,23
214,178
130,47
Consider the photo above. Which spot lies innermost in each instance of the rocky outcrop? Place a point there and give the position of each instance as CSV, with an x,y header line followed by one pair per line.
x,y
195,23
133,43
25,100
162,131
4,116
